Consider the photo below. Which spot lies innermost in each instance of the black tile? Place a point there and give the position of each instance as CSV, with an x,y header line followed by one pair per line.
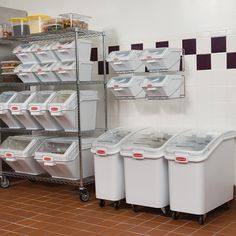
x,y
137,46
189,46
204,62
231,60
94,54
218,44
163,44
101,69
113,48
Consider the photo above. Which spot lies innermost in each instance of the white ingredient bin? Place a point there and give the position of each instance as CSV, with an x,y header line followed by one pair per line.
x,y
66,71
60,157
38,108
66,50
126,61
163,86
64,109
26,72
45,54
25,53
45,72
162,58
201,171
5,114
127,86
18,152
109,165
146,169
19,108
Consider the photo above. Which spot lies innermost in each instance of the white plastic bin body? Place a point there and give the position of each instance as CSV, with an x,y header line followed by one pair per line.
x,y
65,51
45,72
146,170
5,114
25,53
60,158
26,72
38,108
163,86
126,61
162,58
18,153
66,71
201,171
63,108
45,54
19,108
109,165
126,86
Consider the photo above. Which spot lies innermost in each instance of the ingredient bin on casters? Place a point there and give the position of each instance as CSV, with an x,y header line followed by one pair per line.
x,y
63,108
19,108
66,50
66,71
127,86
5,114
201,171
126,61
163,86
18,153
60,157
109,166
146,169
38,108
162,58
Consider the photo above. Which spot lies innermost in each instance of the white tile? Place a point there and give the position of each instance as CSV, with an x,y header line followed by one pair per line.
x,y
218,61
190,63
219,33
175,43
231,43
231,31
203,45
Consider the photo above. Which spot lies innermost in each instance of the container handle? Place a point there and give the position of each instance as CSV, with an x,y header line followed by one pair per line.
x,y
49,163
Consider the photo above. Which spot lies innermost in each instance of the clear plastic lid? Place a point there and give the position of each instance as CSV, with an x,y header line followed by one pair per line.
x,y
45,67
155,51
122,80
61,97
6,96
24,67
41,97
156,79
148,138
113,137
191,141
65,65
21,97
15,143
55,147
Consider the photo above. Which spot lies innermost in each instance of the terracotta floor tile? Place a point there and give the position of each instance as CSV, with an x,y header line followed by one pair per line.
x,y
203,233
228,231
157,232
167,227
110,232
123,226
212,228
96,229
140,229
128,234
184,230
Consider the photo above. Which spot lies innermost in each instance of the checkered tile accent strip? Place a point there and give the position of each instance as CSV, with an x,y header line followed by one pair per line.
x,y
204,51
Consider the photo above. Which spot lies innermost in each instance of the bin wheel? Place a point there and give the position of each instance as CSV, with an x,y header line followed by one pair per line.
x,y
116,205
135,208
165,211
226,206
102,203
5,183
84,195
202,219
175,215
32,180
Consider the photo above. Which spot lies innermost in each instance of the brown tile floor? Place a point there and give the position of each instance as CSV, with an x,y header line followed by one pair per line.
x,y
52,210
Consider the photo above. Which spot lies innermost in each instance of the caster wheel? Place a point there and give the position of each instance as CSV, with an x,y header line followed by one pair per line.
x,y
84,195
226,206
202,219
32,180
116,205
175,215
135,208
5,183
165,211
102,203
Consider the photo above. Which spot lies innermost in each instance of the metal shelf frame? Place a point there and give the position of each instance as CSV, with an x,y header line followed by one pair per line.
x,y
75,34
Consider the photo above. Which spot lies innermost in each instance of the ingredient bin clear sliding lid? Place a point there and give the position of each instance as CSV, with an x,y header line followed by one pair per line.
x,y
24,48
109,142
195,145
26,68
6,97
123,55
157,53
146,143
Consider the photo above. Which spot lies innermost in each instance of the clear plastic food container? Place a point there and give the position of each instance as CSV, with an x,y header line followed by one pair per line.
x,y
20,26
66,71
74,20
26,72
52,24
35,22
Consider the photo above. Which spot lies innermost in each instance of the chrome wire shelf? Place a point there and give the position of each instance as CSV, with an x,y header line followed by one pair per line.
x,y
58,35
46,178
57,83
